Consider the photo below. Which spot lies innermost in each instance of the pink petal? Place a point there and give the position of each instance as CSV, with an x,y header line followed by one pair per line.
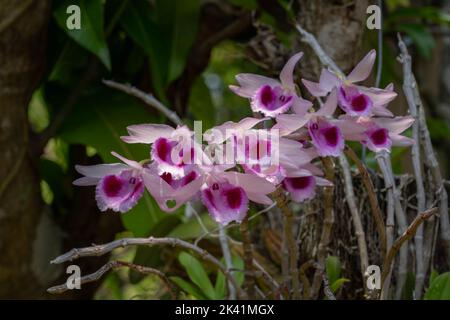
x,y
329,107
363,68
401,141
300,105
250,83
147,133
101,170
223,132
288,123
314,88
86,181
131,163
328,80
395,125
287,73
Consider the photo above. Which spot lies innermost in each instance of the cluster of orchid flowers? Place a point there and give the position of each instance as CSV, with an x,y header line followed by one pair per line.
x,y
182,169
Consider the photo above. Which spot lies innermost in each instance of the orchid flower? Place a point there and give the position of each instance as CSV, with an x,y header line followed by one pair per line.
x,y
301,183
119,186
378,133
269,96
172,149
226,194
353,99
172,191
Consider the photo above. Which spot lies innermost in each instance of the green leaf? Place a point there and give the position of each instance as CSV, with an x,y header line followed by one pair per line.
x,y
139,25
221,281
221,285
439,288
188,288
178,20
201,105
434,274
421,37
197,274
336,285
91,34
333,268
99,120
192,228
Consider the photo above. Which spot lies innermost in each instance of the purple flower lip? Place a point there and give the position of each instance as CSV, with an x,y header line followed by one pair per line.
x,y
301,188
331,135
225,202
353,102
271,100
379,137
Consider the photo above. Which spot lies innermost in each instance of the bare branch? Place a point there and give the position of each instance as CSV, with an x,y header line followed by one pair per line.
x,y
147,98
99,250
328,221
417,166
112,265
430,156
408,234
323,57
356,217
373,200
227,257
282,204
248,258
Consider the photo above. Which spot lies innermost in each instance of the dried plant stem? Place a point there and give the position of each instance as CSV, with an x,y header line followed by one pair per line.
x,y
373,200
248,259
282,204
408,89
228,259
328,221
356,217
408,234
430,156
323,57
99,250
388,184
112,265
147,98
326,283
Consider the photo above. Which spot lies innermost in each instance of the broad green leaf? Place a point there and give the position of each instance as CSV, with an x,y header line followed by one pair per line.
x,y
197,274
439,288
188,288
336,285
178,21
91,35
201,105
139,25
98,121
434,274
333,268
192,228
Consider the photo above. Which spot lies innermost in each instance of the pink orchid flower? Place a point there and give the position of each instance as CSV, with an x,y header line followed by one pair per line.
x,y
353,99
302,182
119,186
378,133
172,191
269,96
325,135
226,194
172,149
